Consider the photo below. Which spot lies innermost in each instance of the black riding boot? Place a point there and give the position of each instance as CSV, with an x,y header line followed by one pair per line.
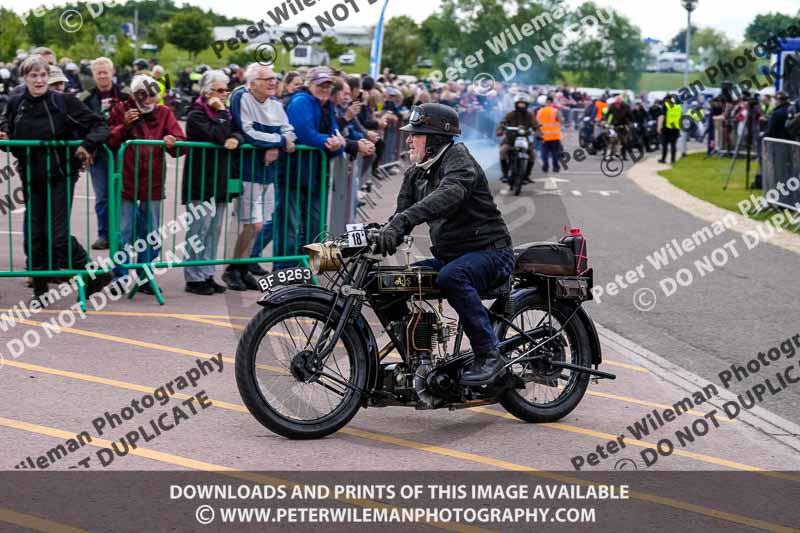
x,y
484,369
504,167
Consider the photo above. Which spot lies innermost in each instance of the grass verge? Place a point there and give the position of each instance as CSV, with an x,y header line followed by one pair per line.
x,y
704,178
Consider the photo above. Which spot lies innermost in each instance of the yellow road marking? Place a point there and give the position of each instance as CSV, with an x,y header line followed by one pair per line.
x,y
143,314
467,456
195,464
555,425
210,320
628,399
151,345
625,365
645,444
506,465
132,342
34,522
484,410
112,383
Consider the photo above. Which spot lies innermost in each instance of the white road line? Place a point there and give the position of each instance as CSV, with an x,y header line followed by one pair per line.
x,y
778,428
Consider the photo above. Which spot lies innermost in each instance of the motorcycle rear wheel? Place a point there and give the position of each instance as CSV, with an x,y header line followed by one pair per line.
x,y
540,401
281,394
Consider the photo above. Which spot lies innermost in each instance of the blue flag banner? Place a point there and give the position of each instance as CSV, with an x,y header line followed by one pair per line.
x,y
377,46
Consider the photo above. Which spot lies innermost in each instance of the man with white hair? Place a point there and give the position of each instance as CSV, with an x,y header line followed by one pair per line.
x,y
161,81
101,99
260,118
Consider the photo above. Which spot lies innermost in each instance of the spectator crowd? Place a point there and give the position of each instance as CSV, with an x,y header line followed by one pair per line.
x,y
279,193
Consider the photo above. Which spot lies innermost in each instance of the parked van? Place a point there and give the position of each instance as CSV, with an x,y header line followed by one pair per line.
x,y
307,56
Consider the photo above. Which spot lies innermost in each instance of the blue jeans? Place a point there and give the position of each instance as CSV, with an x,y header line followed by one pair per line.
x,y
141,219
551,150
461,281
99,173
297,220
207,230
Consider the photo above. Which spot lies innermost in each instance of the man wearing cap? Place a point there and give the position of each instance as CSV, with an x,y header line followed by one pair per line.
x,y
447,188
299,194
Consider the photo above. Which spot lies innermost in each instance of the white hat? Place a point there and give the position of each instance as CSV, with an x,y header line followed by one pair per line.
x,y
56,75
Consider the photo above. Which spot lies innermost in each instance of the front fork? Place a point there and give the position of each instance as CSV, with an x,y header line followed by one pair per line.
x,y
353,298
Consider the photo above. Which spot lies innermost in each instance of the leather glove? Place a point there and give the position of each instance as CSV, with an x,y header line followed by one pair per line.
x,y
392,234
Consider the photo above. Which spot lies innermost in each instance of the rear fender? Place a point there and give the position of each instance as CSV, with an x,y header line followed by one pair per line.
x,y
580,314
325,296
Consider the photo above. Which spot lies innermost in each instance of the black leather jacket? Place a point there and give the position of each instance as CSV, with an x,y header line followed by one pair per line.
x,y
453,197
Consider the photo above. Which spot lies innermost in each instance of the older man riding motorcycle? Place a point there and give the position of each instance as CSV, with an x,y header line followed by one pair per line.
x,y
447,188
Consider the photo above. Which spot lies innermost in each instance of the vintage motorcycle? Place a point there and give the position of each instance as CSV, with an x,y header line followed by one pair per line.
x,y
309,359
519,157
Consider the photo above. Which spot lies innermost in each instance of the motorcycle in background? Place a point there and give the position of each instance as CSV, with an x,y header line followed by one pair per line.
x,y
651,140
519,156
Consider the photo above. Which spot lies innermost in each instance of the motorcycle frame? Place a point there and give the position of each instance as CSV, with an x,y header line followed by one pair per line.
x,y
343,301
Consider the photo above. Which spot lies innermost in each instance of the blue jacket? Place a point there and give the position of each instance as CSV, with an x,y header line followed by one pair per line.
x,y
305,115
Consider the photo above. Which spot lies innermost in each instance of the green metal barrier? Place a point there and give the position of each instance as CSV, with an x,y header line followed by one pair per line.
x,y
145,190
51,251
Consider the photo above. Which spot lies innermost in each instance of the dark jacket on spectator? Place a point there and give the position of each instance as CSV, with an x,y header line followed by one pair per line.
x,y
94,99
137,167
366,117
52,116
73,83
206,171
776,127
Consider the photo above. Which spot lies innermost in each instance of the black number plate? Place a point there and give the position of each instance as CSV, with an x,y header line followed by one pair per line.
x,y
286,276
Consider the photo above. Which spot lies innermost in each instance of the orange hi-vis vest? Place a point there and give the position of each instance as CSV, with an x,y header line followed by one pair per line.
x,y
600,107
551,128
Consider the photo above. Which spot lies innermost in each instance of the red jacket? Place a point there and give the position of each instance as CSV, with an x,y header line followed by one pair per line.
x,y
164,124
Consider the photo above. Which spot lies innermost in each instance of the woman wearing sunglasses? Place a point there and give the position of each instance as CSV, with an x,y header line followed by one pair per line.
x,y
206,173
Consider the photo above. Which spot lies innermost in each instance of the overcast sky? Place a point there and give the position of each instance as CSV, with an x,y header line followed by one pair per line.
x,y
660,20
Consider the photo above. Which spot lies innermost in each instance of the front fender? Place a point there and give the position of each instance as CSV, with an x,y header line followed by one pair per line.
x,y
580,314
293,293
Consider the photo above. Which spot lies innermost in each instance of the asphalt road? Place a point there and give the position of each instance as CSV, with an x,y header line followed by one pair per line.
x,y
52,391
745,305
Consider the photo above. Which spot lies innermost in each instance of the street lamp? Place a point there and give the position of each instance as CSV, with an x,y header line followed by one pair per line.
x,y
689,6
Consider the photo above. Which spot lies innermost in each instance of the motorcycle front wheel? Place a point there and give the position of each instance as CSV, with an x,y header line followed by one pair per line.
x,y
520,165
283,386
550,392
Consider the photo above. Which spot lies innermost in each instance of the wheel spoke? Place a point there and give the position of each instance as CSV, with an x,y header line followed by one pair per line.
x,y
542,386
282,346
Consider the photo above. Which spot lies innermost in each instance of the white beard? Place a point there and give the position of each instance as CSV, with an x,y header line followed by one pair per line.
x,y
145,109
